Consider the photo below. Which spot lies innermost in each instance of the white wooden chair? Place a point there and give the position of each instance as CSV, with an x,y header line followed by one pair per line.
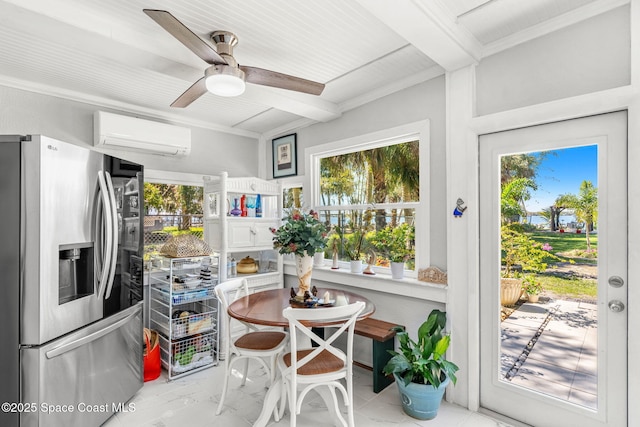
x,y
321,366
246,342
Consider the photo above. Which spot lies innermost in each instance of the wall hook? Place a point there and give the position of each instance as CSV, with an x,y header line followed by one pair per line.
x,y
460,208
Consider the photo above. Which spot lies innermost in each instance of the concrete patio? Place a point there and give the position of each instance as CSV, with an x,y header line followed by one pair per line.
x,y
551,347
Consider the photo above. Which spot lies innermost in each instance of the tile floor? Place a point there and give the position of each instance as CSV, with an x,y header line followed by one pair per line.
x,y
191,401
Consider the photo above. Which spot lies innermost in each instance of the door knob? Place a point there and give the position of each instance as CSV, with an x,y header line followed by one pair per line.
x,y
616,306
616,281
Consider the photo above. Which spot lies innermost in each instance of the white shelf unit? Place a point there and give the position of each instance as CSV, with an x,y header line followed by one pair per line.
x,y
184,310
240,236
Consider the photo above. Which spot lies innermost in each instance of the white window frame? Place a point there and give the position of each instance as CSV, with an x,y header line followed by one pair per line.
x,y
409,132
292,182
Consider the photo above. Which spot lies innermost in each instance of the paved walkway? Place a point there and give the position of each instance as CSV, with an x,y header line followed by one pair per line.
x,y
551,347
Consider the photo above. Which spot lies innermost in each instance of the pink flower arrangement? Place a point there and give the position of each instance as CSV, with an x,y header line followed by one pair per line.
x,y
547,247
299,233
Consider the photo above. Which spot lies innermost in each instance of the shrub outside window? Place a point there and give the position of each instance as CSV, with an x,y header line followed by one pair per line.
x,y
368,198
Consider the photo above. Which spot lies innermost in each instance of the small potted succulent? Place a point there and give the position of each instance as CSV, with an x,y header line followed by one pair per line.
x,y
420,368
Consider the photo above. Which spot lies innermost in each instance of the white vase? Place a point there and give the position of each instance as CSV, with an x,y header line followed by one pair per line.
x,y
304,266
356,266
397,270
318,259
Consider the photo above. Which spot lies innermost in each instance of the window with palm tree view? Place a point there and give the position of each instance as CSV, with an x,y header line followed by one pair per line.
x,y
369,198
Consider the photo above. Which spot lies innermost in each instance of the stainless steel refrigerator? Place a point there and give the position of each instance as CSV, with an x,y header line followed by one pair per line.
x,y
70,283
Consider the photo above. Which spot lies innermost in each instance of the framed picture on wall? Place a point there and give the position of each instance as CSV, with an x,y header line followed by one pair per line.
x,y
284,156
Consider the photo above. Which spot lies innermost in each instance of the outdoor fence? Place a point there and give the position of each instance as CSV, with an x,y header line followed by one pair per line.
x,y
159,228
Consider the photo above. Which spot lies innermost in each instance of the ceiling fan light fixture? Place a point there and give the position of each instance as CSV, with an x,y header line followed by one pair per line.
x,y
223,80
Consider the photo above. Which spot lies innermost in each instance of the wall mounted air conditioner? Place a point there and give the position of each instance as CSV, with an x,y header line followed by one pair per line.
x,y
144,136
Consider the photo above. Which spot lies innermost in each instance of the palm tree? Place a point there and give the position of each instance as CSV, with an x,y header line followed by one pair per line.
x,y
514,194
548,214
517,177
404,171
585,207
375,176
562,202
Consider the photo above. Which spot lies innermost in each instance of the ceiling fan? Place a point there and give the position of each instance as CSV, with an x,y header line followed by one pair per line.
x,y
224,77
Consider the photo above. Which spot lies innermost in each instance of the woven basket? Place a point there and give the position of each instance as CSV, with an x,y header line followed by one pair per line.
x,y
185,245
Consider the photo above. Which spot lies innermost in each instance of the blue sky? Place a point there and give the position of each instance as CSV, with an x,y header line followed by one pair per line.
x,y
561,172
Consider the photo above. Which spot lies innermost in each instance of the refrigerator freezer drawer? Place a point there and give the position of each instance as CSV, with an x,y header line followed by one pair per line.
x,y
85,377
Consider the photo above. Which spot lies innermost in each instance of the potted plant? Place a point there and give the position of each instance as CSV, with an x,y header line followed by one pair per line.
x,y
520,254
301,234
353,246
395,244
353,239
532,287
420,368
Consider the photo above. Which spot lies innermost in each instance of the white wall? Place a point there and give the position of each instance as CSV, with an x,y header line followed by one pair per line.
x,y
589,68
420,102
586,57
23,112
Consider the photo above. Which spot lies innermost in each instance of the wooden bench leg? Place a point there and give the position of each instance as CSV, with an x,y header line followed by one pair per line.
x,y
380,358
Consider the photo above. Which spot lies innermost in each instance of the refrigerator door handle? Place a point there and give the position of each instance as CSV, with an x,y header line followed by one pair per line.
x,y
99,238
113,214
104,233
116,322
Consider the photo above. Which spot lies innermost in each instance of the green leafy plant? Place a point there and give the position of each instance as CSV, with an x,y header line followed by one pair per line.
x,y
299,233
354,236
520,250
531,285
354,244
423,361
395,243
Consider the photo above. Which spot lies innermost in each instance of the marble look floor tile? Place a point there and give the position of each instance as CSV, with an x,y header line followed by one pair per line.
x,y
191,401
479,420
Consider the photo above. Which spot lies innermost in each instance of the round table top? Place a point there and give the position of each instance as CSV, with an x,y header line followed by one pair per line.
x,y
265,307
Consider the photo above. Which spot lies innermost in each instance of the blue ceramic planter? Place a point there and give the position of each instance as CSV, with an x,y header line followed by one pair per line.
x,y
421,401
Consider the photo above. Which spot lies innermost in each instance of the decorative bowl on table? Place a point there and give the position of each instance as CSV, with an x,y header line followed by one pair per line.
x,y
301,302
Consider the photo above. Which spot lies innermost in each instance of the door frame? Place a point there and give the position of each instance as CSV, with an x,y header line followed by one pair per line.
x,y
463,130
608,133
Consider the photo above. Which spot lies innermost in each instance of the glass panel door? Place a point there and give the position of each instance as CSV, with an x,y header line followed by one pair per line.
x,y
553,269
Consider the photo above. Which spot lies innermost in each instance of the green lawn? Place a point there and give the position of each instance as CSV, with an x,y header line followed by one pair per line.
x,y
569,246
574,288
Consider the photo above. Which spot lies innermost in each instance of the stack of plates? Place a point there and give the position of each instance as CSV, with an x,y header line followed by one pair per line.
x,y
192,281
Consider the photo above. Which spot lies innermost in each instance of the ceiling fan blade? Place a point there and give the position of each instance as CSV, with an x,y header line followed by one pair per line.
x,y
187,37
263,77
196,90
